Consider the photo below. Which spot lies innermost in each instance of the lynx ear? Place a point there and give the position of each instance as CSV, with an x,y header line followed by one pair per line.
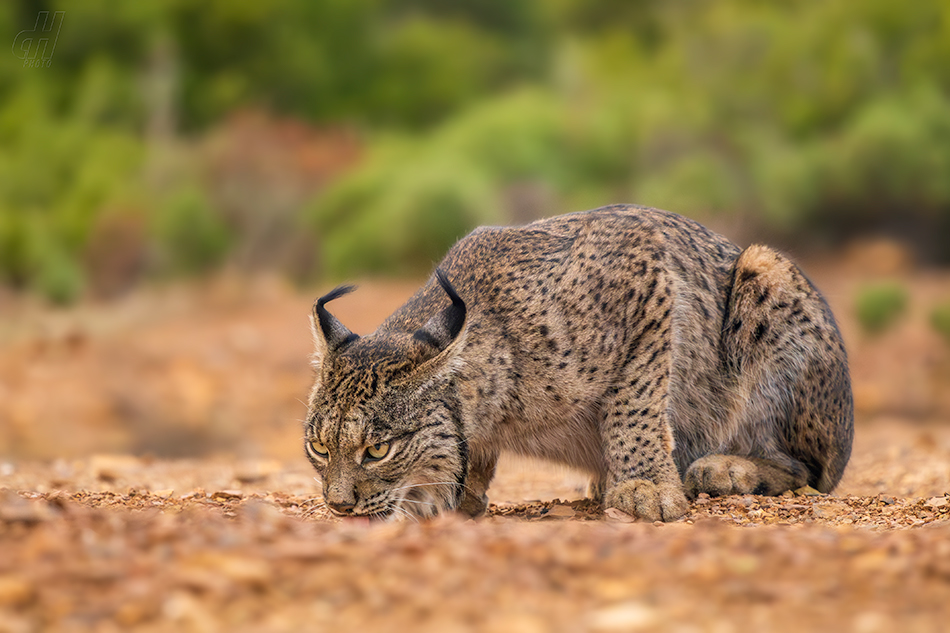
x,y
443,328
329,335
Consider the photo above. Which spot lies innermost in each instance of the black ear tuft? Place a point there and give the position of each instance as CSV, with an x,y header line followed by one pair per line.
x,y
442,328
455,315
334,333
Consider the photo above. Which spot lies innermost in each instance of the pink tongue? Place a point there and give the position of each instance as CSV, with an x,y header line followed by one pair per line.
x,y
356,520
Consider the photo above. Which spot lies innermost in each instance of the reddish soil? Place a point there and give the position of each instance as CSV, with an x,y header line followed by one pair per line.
x,y
151,479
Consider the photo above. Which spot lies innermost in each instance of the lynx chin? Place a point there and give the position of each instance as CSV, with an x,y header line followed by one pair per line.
x,y
628,342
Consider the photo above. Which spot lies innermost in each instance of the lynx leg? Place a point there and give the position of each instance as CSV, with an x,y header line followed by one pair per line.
x,y
792,413
642,479
719,475
481,470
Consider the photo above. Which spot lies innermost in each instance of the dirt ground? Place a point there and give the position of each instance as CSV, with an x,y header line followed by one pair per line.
x,y
151,479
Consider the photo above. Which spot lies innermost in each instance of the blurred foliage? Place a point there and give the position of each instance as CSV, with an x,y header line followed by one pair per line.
x,y
879,306
812,121
192,237
940,320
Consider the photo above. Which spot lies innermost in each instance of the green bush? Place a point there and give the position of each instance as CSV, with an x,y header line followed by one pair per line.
x,y
940,320
879,306
192,238
893,156
14,249
425,206
32,257
58,276
59,174
411,201
819,120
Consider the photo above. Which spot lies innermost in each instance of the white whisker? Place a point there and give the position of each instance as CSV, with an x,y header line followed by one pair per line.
x,y
422,503
435,483
320,504
404,513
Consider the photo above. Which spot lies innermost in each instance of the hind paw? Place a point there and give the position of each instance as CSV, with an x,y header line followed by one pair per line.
x,y
720,475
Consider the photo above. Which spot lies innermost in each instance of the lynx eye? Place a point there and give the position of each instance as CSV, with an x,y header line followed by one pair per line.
x,y
319,448
377,451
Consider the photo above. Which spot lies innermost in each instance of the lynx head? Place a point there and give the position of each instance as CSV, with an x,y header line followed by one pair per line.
x,y
383,428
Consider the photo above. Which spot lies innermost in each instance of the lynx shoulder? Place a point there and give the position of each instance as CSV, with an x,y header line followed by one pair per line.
x,y
632,343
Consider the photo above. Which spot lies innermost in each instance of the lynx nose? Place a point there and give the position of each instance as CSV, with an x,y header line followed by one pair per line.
x,y
341,508
341,501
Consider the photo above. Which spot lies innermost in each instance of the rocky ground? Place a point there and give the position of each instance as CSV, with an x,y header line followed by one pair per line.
x,y
119,543
151,479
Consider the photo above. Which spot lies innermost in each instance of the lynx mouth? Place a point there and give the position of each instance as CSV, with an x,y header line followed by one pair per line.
x,y
367,519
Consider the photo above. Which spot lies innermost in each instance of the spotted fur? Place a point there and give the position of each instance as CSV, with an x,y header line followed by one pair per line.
x,y
631,343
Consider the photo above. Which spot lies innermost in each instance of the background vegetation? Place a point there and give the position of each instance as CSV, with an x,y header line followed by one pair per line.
x,y
343,137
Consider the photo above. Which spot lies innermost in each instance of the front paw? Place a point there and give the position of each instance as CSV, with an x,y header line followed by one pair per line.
x,y
472,505
648,501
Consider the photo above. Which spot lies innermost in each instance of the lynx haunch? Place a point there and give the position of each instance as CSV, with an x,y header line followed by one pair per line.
x,y
632,343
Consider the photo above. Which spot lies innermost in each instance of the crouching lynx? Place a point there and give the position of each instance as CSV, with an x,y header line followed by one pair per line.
x,y
628,342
